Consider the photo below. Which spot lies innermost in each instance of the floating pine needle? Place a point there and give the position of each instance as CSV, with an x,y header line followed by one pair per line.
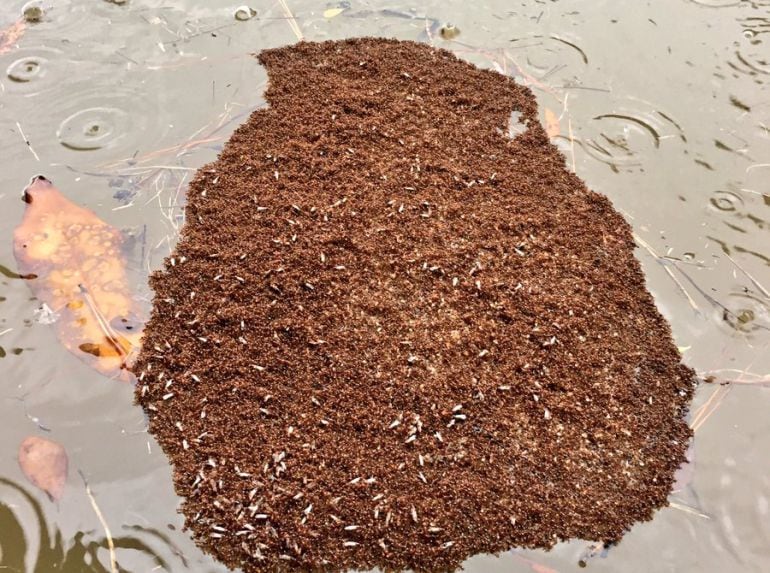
x,y
688,509
81,274
291,19
26,141
646,246
754,281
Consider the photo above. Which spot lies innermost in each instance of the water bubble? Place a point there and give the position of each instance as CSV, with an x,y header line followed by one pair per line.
x,y
27,69
749,34
243,13
93,128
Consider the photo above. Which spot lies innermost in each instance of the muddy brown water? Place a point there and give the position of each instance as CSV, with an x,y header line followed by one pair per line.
x,y
662,106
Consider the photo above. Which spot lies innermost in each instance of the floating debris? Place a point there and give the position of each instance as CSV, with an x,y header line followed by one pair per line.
x,y
330,13
504,343
33,12
449,31
45,315
76,266
243,13
45,465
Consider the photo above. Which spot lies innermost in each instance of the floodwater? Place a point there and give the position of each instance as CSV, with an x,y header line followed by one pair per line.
x,y
662,105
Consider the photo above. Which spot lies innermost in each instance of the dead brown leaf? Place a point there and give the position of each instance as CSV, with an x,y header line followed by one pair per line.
x,y
45,465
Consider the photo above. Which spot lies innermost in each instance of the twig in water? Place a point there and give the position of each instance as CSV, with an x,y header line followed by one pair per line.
x,y
158,167
126,206
530,78
751,278
704,412
100,516
746,378
24,137
292,20
752,191
688,509
182,148
652,252
121,346
586,88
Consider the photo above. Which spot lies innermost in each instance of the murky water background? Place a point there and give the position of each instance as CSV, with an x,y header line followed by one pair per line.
x,y
664,106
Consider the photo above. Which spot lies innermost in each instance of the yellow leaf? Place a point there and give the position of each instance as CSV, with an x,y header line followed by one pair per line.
x,y
73,263
330,13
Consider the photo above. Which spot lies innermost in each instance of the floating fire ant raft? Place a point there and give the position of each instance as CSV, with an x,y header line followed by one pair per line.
x,y
393,336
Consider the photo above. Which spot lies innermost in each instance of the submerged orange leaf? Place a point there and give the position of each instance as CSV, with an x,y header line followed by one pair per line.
x,y
73,263
45,465
552,127
10,36
535,566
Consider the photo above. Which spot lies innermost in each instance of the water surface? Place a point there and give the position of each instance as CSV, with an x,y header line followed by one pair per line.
x,y
664,106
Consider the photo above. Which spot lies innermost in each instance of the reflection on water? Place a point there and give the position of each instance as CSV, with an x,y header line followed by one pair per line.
x,y
36,548
663,106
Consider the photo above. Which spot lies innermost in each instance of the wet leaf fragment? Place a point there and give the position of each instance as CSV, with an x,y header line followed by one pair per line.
x,y
336,9
10,36
552,127
333,12
45,465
